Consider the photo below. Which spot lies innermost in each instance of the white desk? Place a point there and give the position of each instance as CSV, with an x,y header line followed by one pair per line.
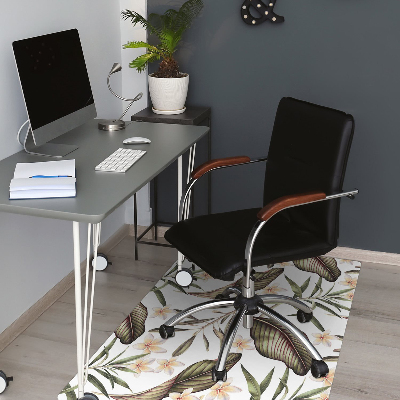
x,y
98,195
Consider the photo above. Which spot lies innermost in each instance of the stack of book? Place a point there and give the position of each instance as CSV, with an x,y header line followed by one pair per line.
x,y
43,180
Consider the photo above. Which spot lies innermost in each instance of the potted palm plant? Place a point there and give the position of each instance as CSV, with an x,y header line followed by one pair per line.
x,y
168,86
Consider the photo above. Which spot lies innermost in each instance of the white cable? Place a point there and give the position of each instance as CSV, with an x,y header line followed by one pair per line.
x,y
20,129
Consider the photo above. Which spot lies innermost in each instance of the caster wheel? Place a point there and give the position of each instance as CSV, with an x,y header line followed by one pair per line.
x,y
319,369
218,375
303,316
89,396
101,263
184,277
4,381
166,331
223,296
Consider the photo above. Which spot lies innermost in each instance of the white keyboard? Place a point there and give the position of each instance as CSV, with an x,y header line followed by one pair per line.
x,y
121,160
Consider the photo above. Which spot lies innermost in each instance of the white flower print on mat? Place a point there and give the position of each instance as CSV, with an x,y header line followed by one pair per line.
x,y
324,338
243,344
221,390
167,365
327,380
184,396
150,345
162,312
349,296
349,281
272,289
141,365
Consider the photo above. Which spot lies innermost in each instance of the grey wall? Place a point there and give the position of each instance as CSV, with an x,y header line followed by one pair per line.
x,y
338,53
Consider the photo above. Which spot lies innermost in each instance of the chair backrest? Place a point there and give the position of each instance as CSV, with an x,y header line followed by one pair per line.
x,y
309,148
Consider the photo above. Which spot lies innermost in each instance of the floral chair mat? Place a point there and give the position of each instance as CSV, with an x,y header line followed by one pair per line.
x,y
266,362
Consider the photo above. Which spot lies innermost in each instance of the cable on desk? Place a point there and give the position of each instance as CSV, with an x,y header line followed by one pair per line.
x,y
20,129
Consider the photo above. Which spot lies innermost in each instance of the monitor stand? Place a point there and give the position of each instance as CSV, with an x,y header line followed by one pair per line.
x,y
48,149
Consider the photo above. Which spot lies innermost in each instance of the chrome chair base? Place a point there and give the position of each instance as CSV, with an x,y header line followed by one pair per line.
x,y
245,309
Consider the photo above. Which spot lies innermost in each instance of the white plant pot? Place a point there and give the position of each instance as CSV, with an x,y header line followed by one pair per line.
x,y
168,95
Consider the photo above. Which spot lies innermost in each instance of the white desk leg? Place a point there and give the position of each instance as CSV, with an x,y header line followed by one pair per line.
x,y
78,307
180,188
84,326
192,153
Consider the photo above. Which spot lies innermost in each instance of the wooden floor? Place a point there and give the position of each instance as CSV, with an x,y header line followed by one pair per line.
x,y
43,359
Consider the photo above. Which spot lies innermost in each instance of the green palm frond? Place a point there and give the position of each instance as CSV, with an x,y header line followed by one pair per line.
x,y
139,45
183,18
187,13
168,27
136,18
169,19
155,20
170,40
140,63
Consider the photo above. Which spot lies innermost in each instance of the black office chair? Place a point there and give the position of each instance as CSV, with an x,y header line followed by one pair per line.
x,y
306,164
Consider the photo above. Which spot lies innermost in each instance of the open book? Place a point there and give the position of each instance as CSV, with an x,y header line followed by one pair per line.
x,y
43,180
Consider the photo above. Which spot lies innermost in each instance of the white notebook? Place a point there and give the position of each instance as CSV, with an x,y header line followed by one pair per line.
x,y
44,180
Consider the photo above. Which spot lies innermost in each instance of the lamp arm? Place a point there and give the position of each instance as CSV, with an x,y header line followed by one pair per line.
x,y
138,97
112,91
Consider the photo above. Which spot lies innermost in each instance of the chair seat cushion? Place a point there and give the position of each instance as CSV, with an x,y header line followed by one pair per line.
x,y
217,242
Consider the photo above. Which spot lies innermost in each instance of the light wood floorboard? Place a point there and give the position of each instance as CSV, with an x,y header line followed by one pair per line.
x,y
43,358
369,364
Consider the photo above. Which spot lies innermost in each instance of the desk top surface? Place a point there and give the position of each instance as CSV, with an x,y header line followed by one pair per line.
x,y
98,194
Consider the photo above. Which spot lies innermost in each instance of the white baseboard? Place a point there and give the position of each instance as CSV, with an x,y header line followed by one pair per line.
x,y
34,312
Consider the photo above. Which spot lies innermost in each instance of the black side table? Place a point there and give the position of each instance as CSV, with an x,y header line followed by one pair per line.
x,y
192,116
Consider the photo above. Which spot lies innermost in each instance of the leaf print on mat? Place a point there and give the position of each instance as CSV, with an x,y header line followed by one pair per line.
x,y
133,325
70,392
276,342
196,376
326,267
183,347
261,280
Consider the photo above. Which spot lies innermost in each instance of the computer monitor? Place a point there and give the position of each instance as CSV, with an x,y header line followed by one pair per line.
x,y
56,88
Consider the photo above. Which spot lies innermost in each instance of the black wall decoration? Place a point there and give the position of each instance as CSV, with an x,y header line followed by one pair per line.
x,y
266,12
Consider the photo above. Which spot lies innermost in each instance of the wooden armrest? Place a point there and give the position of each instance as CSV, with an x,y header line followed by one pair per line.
x,y
288,201
218,162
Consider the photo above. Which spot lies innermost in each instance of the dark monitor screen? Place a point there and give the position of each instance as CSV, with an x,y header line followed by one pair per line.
x,y
53,76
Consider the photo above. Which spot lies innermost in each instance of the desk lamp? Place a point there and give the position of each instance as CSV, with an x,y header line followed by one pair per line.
x,y
117,124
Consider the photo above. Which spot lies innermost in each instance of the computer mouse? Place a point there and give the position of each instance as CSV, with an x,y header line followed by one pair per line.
x,y
136,140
